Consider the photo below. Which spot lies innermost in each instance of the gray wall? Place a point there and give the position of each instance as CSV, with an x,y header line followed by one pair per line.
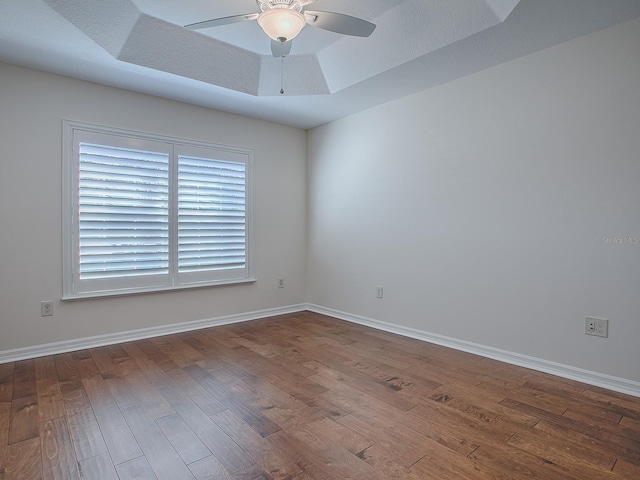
x,y
483,207
32,106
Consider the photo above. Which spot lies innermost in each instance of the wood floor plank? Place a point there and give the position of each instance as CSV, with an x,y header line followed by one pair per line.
x,y
445,463
5,415
444,376
601,446
252,473
564,453
145,364
625,404
46,377
479,404
396,378
116,433
151,399
275,462
631,423
307,459
262,345
452,432
104,362
359,353
305,396
121,391
21,461
81,355
223,335
157,449
6,381
183,439
58,456
297,386
576,403
291,419
340,435
407,446
87,368
209,468
232,457
620,436
358,382
346,397
274,364
587,415
519,463
196,393
387,464
74,398
66,368
540,400
333,453
153,354
50,408
380,389
24,379
99,467
24,419
254,389
251,416
136,469
86,435
180,352
463,424
626,469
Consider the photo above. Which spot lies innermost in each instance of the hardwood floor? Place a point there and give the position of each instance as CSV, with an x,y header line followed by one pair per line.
x,y
302,397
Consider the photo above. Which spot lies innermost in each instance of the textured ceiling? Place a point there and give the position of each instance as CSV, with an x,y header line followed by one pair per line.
x,y
150,34
141,45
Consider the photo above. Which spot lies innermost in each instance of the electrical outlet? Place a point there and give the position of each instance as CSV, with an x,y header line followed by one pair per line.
x,y
281,283
379,292
46,308
596,326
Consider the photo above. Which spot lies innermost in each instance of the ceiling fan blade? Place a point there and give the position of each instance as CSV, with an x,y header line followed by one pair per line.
x,y
340,23
216,22
280,49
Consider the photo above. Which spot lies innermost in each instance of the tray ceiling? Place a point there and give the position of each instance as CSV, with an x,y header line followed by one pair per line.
x,y
142,45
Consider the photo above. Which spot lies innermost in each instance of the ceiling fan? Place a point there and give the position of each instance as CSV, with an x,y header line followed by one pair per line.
x,y
282,21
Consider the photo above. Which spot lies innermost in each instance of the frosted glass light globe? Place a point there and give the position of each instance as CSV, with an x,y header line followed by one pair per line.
x,y
281,24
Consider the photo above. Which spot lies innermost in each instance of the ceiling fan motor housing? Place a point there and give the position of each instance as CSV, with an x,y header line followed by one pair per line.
x,y
269,4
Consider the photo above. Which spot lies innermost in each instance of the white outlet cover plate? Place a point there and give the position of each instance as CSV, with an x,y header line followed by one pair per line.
x,y
596,326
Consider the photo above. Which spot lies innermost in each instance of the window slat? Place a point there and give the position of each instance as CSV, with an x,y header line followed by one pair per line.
x,y
122,193
211,202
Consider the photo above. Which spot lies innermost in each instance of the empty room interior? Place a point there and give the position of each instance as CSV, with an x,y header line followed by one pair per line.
x,y
296,240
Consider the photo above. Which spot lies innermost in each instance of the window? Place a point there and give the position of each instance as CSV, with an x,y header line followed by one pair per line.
x,y
145,213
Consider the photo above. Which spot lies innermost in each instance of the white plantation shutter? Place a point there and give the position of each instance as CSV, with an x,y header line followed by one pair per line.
x,y
211,215
123,212
145,213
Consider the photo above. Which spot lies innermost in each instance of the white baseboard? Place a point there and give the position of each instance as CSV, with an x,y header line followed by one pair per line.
x,y
574,373
131,335
567,371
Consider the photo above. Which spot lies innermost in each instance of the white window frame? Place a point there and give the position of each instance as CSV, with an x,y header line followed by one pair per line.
x,y
73,287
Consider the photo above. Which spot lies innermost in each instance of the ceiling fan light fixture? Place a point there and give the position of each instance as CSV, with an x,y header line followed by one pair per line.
x,y
281,24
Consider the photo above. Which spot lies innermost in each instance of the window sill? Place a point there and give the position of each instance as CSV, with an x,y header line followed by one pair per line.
x,y
142,291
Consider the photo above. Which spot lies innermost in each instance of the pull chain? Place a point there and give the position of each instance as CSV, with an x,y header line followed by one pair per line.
x,y
282,75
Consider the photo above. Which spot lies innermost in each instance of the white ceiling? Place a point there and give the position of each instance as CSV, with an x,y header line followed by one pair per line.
x,y
141,45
